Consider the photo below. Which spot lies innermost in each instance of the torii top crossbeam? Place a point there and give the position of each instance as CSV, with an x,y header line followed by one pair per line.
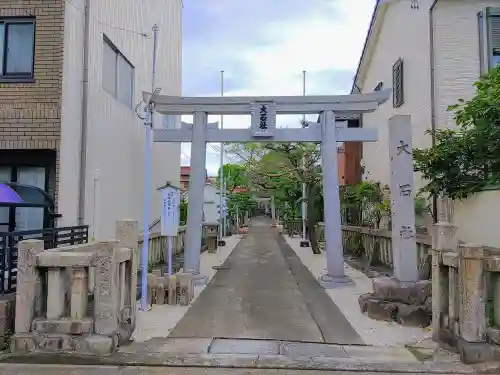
x,y
242,105
263,110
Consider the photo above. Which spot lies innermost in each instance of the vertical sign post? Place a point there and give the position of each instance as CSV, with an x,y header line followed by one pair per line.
x,y
404,244
170,215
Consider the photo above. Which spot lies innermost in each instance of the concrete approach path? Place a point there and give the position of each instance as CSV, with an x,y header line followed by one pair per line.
x,y
263,291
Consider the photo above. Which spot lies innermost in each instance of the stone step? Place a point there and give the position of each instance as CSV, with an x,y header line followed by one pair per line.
x,y
274,354
268,355
30,369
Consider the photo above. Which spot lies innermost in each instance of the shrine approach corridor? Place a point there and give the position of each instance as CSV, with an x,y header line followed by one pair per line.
x,y
263,291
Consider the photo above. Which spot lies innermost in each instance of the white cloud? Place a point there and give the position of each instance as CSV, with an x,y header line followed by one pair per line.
x,y
330,38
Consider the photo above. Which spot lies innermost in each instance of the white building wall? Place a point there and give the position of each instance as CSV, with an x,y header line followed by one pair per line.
x,y
116,137
404,34
457,68
210,202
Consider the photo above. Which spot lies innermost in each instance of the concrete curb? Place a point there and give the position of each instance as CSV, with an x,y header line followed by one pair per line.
x,y
249,361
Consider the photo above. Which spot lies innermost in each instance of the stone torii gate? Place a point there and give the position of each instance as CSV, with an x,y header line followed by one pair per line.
x,y
263,111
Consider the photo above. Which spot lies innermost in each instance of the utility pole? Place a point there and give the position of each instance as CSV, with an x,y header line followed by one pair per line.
x,y
237,220
148,123
304,242
221,241
226,196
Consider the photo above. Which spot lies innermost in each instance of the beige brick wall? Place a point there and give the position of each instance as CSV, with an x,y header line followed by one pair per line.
x,y
30,113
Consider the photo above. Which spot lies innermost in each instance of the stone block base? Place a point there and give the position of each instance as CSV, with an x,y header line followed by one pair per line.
x,y
59,342
72,335
212,244
407,303
22,343
177,289
476,352
493,336
334,282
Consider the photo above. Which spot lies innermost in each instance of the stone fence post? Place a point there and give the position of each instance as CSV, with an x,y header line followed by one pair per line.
x,y
28,281
106,299
472,297
443,240
127,234
459,294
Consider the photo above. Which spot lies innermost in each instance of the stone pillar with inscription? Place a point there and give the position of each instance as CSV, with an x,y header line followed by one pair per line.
x,y
404,247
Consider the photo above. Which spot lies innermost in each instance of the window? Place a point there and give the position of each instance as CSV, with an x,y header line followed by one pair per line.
x,y
117,74
379,86
17,45
489,38
397,84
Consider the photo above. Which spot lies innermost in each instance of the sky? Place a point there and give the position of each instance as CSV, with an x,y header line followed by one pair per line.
x,y
263,46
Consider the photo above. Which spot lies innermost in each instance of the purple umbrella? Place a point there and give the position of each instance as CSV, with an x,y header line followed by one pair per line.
x,y
9,196
18,195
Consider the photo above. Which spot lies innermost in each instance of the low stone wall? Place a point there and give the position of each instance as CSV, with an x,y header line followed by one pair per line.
x,y
158,245
377,245
77,298
465,296
292,227
177,289
461,299
7,313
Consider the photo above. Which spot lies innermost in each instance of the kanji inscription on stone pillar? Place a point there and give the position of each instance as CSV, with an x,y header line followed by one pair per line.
x,y
402,199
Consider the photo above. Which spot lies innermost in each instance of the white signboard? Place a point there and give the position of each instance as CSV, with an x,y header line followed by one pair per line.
x,y
170,211
263,119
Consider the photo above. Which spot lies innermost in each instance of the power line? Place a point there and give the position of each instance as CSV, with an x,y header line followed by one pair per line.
x,y
216,150
144,35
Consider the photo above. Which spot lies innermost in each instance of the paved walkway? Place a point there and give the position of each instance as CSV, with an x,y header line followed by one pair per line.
x,y
264,292
161,319
372,332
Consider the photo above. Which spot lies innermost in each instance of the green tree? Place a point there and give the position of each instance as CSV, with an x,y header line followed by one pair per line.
x,y
280,169
467,159
235,175
241,203
183,212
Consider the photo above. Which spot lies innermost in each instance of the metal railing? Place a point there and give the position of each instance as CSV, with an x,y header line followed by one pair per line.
x,y
52,238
